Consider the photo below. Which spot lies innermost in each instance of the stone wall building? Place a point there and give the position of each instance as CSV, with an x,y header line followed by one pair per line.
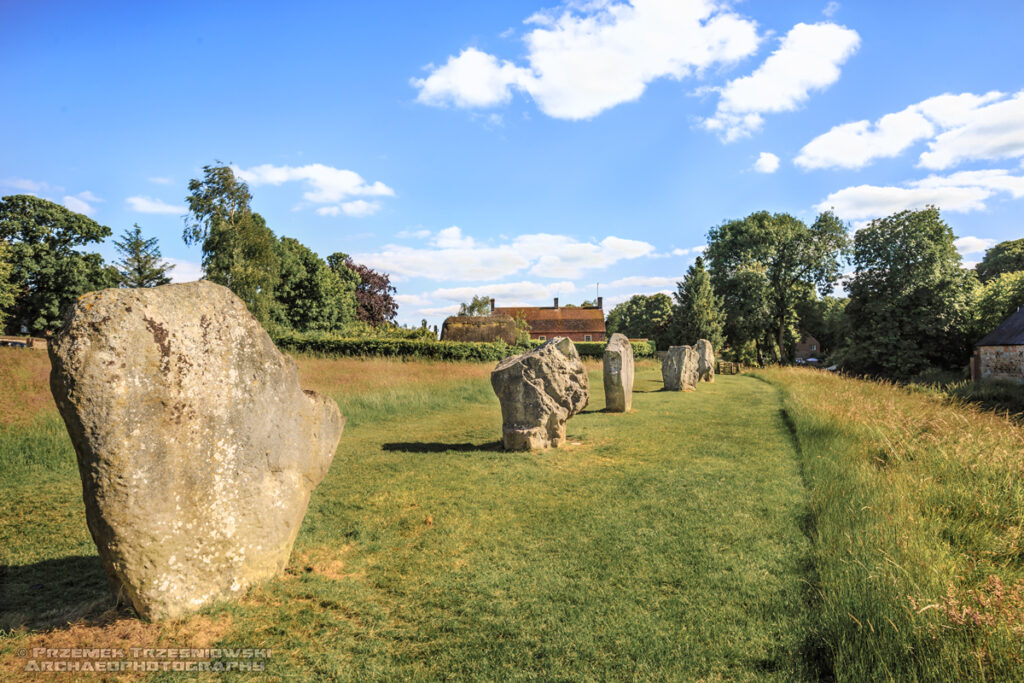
x,y
578,323
1000,354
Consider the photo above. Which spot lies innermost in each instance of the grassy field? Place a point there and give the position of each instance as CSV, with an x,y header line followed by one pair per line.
x,y
667,543
789,526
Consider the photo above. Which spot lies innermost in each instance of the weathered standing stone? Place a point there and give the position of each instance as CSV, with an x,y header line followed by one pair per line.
x,y
618,374
539,390
197,448
705,360
679,368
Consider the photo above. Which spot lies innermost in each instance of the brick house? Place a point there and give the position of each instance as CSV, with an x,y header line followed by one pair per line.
x,y
808,347
1000,354
583,323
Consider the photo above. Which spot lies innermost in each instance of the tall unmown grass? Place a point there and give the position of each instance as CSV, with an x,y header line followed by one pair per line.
x,y
918,535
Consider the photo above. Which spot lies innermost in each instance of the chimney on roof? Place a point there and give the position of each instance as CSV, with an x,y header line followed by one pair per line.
x,y
556,302
492,305
600,302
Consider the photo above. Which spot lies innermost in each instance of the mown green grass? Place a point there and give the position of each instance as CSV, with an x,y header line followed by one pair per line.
x,y
918,511
663,544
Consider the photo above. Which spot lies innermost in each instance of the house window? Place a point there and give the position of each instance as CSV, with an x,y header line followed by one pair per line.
x,y
542,338
814,347
586,337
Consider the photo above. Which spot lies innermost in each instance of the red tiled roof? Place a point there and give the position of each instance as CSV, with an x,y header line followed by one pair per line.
x,y
550,319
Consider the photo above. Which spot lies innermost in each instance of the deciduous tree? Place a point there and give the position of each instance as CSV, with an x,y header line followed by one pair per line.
x,y
909,305
1005,257
140,264
309,295
782,258
479,305
239,250
375,303
48,270
641,317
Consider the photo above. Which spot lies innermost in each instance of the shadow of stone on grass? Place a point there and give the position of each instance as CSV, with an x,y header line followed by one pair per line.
x,y
436,447
52,593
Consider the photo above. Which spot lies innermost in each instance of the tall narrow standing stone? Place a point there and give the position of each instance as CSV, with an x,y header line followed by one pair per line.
x,y
618,374
705,360
196,446
679,369
539,390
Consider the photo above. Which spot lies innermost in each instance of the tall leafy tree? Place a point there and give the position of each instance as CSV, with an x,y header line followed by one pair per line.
x,y
642,317
479,305
239,250
909,305
140,264
1005,257
996,301
48,269
782,259
376,304
309,295
7,288
697,313
825,319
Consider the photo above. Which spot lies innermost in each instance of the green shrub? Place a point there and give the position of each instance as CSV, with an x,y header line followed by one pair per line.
x,y
326,345
641,349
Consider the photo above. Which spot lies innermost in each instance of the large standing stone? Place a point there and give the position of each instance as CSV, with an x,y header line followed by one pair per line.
x,y
705,360
539,390
618,374
197,448
679,368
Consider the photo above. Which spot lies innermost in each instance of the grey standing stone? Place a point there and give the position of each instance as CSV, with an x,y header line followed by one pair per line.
x,y
618,374
679,368
539,390
705,360
196,446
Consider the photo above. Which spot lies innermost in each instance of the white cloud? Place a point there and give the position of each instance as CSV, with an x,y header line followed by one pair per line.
x,y
184,271
766,163
830,9
412,300
418,234
453,256
856,144
586,57
327,185
992,132
440,310
452,238
959,192
160,180
357,209
150,205
680,252
645,281
507,293
972,245
29,186
82,202
807,60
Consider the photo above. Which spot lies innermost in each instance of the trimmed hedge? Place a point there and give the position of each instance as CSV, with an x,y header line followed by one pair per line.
x,y
397,348
641,349
324,345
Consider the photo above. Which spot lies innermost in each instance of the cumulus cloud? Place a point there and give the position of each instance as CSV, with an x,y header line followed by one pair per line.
x,y
29,186
808,59
160,180
586,57
82,202
960,127
959,192
506,293
184,271
454,256
645,281
830,9
766,163
973,245
151,205
325,185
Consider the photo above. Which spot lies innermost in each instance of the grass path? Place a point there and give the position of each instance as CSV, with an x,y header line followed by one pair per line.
x,y
663,544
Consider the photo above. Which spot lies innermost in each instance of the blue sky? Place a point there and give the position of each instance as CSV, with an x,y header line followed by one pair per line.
x,y
521,150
